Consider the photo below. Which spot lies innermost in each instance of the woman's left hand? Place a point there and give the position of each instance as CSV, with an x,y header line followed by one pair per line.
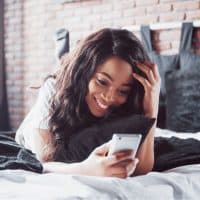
x,y
151,86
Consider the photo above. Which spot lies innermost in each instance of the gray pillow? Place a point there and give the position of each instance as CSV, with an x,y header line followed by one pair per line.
x,y
183,100
183,88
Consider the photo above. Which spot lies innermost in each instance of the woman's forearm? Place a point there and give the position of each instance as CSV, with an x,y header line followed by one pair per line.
x,y
146,153
66,168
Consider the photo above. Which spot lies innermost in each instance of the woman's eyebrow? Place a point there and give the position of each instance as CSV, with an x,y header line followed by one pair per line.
x,y
109,77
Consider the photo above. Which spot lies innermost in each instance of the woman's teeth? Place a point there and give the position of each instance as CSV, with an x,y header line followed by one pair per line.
x,y
101,105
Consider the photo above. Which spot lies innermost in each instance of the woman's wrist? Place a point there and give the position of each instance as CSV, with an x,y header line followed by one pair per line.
x,y
60,167
83,168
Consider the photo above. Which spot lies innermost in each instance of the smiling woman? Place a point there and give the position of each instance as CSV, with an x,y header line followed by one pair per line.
x,y
107,75
109,86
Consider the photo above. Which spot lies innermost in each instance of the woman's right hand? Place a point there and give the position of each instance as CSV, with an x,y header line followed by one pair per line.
x,y
119,165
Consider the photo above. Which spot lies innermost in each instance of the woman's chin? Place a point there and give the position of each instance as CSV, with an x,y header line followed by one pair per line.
x,y
98,114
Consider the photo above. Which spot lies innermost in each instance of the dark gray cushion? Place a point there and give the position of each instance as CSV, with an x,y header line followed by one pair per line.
x,y
189,60
183,100
174,152
183,88
85,141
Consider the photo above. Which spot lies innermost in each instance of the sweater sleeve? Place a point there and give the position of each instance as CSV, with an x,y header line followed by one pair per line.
x,y
38,117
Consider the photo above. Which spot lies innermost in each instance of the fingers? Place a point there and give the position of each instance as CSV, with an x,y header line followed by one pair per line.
x,y
154,68
142,80
112,159
120,164
132,166
124,169
151,71
155,71
147,69
119,172
120,156
103,149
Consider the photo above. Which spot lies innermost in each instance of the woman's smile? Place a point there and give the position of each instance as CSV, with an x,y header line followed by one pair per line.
x,y
101,105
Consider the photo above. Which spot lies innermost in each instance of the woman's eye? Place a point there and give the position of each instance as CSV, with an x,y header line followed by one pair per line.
x,y
124,92
101,82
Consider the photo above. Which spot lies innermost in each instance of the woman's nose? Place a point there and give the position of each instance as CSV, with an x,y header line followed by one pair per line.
x,y
109,96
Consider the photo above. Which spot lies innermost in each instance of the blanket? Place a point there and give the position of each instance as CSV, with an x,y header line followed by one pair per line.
x,y
14,156
173,152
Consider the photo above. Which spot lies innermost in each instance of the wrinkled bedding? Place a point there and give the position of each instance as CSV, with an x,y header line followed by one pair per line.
x,y
178,183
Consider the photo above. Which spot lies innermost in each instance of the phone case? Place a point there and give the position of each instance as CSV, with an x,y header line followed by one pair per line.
x,y
122,142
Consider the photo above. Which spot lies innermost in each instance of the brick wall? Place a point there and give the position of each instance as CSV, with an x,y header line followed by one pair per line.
x,y
30,25
14,59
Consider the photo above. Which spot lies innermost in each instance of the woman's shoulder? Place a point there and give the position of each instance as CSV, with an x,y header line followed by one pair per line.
x,y
48,88
49,83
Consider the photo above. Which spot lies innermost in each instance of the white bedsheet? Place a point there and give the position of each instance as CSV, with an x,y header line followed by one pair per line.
x,y
181,183
178,183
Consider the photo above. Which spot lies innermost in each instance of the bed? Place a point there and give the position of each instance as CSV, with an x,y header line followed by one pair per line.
x,y
178,183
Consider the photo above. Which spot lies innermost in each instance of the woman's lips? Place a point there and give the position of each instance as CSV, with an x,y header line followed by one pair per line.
x,y
101,105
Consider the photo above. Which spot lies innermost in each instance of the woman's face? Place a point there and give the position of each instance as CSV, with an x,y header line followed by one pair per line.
x,y
109,86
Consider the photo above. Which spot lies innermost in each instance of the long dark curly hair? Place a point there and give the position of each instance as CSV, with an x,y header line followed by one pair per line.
x,y
69,111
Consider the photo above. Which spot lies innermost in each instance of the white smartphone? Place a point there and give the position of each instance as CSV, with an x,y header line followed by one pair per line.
x,y
122,142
